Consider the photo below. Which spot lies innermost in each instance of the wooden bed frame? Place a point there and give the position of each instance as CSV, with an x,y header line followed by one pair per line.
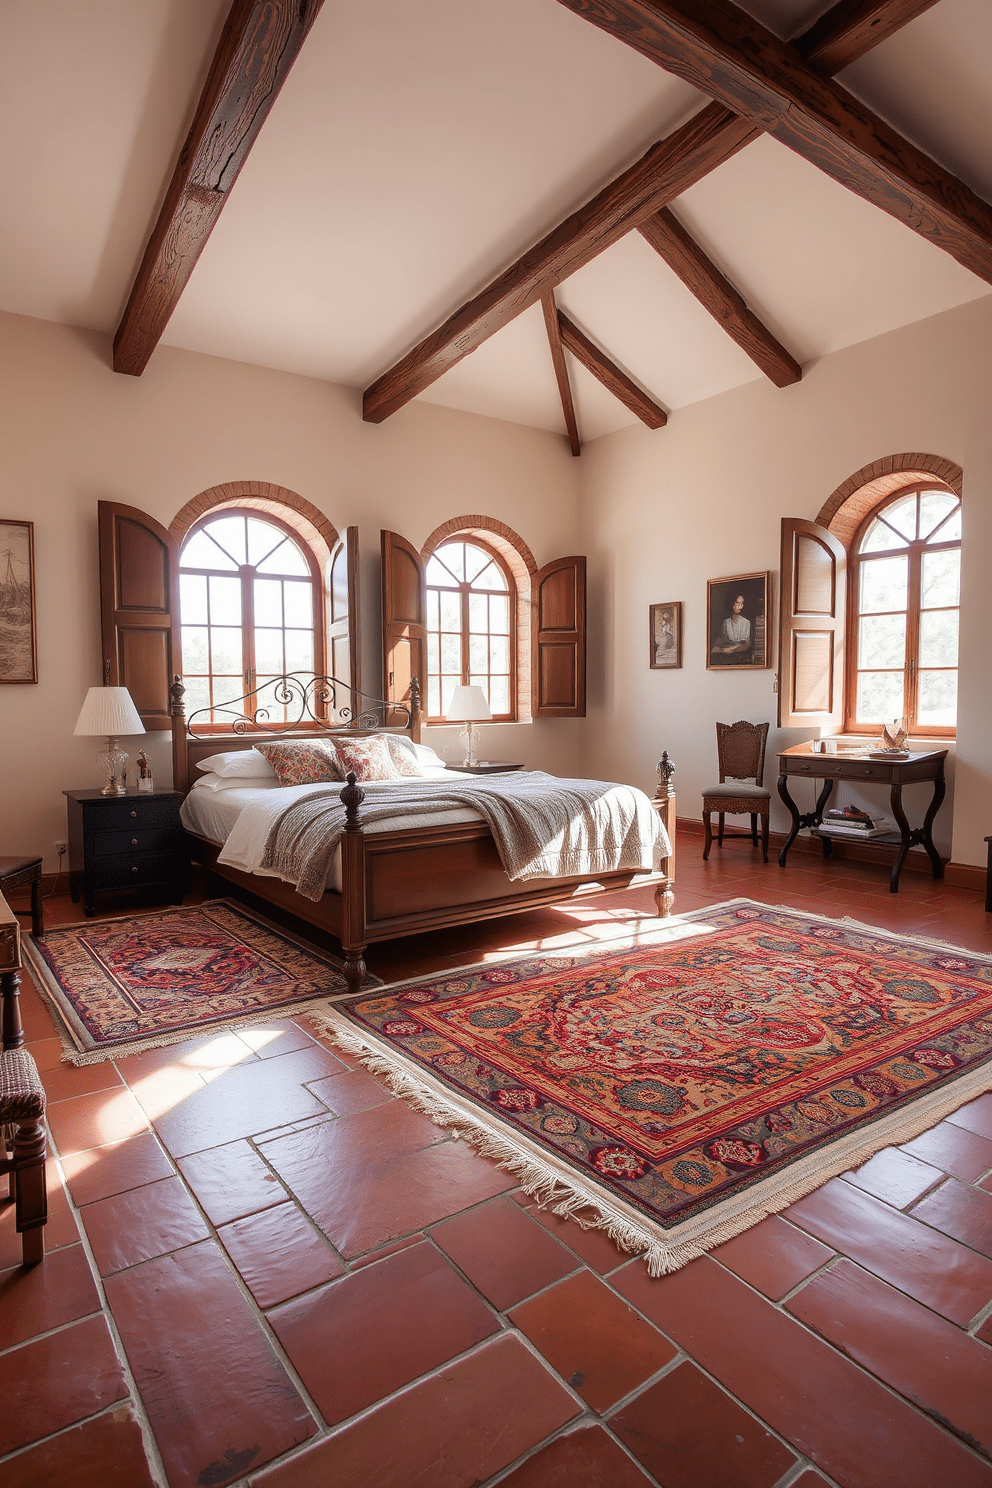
x,y
393,883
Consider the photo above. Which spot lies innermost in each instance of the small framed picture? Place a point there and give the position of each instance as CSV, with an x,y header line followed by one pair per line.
x,y
737,622
666,634
18,646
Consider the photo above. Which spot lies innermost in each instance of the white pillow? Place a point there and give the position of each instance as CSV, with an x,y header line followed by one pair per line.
x,y
234,782
427,756
243,762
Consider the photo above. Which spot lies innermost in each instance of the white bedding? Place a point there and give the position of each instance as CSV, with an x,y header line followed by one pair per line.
x,y
221,817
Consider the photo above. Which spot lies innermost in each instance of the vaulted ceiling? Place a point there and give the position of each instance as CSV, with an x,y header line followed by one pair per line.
x,y
420,147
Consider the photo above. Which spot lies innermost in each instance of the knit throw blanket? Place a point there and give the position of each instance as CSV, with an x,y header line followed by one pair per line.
x,y
543,826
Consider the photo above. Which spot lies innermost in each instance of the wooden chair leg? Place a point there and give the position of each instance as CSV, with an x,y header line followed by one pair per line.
x,y
764,838
754,828
719,838
37,909
31,1193
708,828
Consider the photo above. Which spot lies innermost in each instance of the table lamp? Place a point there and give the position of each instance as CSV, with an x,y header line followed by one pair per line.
x,y
468,705
110,711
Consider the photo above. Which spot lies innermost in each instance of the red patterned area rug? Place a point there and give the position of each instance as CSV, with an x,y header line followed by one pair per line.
x,y
121,985
678,1087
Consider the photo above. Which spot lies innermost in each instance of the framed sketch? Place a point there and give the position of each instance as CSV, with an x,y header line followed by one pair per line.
x,y
737,622
666,634
18,648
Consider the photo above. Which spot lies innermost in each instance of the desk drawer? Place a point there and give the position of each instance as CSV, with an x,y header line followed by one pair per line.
x,y
827,767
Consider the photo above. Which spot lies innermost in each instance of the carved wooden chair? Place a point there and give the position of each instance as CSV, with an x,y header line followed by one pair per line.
x,y
22,1103
741,753
24,872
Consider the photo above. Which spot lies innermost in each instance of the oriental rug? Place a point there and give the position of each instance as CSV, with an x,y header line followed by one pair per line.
x,y
121,985
680,1086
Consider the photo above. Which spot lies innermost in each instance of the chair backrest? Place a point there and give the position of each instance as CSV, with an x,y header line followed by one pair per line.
x,y
740,748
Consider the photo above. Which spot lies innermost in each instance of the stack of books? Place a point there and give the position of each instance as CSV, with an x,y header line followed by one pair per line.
x,y
854,824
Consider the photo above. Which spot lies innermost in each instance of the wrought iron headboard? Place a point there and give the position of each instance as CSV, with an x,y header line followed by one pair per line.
x,y
314,702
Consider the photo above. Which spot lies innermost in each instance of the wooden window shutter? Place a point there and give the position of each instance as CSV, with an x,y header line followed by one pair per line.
x,y
139,607
404,620
342,616
558,640
811,628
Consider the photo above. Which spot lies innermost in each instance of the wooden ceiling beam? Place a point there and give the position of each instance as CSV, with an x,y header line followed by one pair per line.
x,y
852,27
716,294
259,44
720,49
610,375
561,370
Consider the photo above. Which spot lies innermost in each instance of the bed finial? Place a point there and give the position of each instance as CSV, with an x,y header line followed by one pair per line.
x,y
352,797
665,770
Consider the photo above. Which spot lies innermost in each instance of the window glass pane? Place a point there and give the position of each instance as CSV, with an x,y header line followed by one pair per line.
x,y
478,614
934,507
298,602
286,559
902,516
299,650
950,531
228,690
937,698
880,696
451,610
193,599
225,649
476,560
941,576
433,610
267,708
448,685
452,555
499,654
438,573
433,654
882,641
451,653
225,601
499,614
880,538
262,538
479,679
491,577
478,653
200,552
499,694
268,602
883,584
229,532
195,649
939,638
197,696
433,697
268,650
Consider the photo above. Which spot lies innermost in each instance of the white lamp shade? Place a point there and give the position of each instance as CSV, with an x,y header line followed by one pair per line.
x,y
108,711
468,705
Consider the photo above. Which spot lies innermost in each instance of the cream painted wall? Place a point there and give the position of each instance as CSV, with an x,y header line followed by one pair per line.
x,y
74,433
664,511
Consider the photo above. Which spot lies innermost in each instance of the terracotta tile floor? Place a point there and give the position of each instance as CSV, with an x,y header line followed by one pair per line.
x,y
264,1270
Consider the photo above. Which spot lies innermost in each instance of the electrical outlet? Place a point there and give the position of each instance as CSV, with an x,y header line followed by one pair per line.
x,y
61,848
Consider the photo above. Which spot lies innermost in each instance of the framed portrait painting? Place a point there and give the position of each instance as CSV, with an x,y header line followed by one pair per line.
x,y
18,648
737,622
666,634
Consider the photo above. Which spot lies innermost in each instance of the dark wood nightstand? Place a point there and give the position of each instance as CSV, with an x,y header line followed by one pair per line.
x,y
488,767
125,842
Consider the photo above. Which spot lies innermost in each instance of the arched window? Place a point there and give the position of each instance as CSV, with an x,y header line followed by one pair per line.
x,y
250,604
471,627
902,637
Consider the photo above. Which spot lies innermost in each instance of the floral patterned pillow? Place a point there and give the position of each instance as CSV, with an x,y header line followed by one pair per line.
x,y
403,756
370,759
302,761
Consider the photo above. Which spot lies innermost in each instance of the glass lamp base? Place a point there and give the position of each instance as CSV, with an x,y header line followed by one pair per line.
x,y
112,763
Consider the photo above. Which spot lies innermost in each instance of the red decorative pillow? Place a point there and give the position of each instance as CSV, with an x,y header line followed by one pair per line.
x,y
370,759
302,761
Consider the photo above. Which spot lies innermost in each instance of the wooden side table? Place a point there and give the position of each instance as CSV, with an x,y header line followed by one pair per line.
x,y
125,842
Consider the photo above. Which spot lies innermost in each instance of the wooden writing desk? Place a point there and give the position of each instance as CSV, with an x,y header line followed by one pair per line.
x,y
857,765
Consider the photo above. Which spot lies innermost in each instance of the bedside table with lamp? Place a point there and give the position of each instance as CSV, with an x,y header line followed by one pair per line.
x,y
469,706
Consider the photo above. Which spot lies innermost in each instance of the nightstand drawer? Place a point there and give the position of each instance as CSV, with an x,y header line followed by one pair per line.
x,y
132,811
137,840
124,872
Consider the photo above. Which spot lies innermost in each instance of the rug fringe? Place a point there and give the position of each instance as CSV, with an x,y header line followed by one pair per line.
x,y
556,1188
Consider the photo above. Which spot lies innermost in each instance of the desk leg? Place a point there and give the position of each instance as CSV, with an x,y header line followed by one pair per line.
x,y
804,819
783,790
939,791
895,801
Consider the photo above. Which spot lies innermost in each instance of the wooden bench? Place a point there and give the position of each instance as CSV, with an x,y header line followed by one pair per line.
x,y
22,1102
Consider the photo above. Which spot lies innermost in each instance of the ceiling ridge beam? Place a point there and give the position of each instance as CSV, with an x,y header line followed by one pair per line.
x,y
259,44
561,369
613,378
723,51
716,294
851,28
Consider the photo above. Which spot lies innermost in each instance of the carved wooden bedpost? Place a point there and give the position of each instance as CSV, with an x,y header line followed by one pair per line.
x,y
664,803
353,872
415,715
180,757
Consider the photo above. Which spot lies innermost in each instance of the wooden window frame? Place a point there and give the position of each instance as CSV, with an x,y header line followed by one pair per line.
x,y
465,589
247,573
915,551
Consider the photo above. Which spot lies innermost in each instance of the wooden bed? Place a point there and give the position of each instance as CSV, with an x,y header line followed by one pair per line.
x,y
393,883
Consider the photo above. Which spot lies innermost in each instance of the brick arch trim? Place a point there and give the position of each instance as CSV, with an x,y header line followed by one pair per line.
x,y
846,509
262,496
483,526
